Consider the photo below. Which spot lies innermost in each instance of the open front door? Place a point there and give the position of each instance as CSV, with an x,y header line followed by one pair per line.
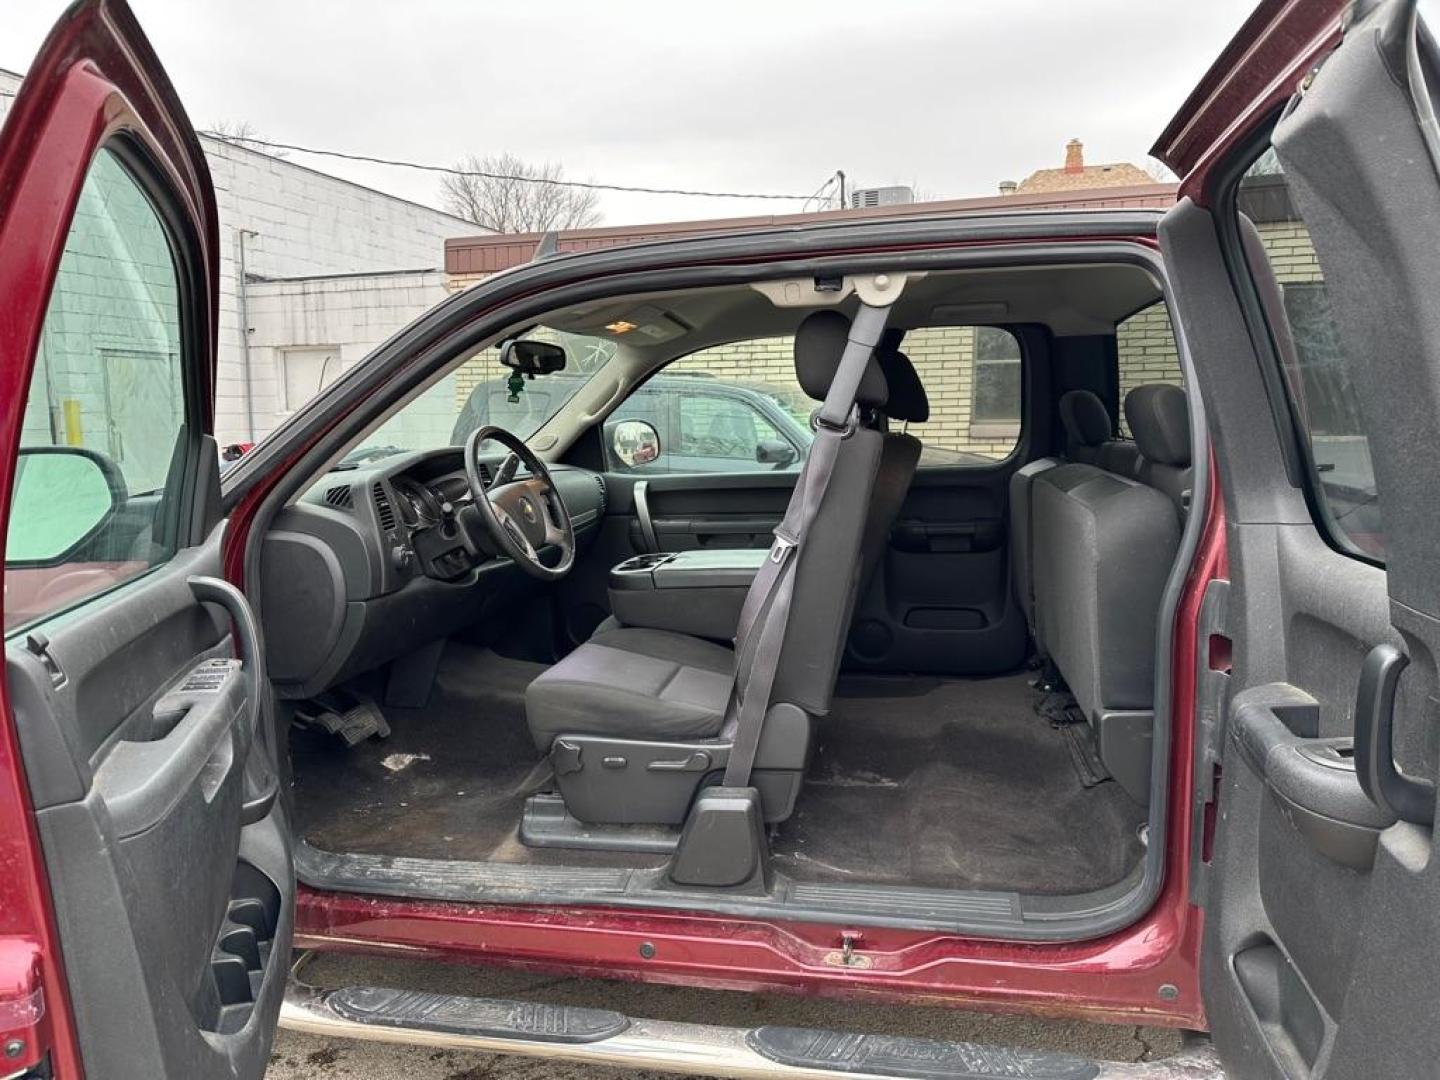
x,y
148,890
1305,260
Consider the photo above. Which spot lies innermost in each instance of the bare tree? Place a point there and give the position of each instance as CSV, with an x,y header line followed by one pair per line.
x,y
1159,172
245,134
517,196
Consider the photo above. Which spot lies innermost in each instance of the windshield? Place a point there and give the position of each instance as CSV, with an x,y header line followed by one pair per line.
x,y
478,393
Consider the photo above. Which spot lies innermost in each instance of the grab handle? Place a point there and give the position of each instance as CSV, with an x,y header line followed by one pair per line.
x,y
1409,798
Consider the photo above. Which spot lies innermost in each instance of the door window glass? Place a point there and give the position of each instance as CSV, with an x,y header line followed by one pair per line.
x,y
737,407
1145,353
973,376
727,409
1317,371
105,409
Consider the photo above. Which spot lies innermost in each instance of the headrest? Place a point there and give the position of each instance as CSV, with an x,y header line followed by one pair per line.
x,y
907,399
1087,421
819,344
1159,418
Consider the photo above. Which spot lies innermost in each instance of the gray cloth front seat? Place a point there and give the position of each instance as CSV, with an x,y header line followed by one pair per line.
x,y
606,711
633,682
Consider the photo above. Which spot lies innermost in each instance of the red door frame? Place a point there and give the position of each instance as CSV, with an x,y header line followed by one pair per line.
x,y
1148,972
1262,66
94,78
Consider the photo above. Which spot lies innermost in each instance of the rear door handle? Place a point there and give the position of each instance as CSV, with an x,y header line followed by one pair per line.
x,y
1408,798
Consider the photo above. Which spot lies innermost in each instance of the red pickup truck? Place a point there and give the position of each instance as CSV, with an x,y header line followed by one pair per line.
x,y
1133,717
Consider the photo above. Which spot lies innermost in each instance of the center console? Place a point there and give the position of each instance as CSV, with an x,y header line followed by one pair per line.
x,y
690,592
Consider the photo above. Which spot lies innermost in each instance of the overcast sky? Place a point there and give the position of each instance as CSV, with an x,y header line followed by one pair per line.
x,y
951,96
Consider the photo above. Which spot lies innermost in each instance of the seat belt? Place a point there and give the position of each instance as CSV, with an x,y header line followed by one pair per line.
x,y
760,633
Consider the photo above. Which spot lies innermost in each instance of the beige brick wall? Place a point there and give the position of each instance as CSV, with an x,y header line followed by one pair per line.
x,y
1291,253
1145,353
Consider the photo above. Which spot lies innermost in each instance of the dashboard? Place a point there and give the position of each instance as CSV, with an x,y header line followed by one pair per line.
x,y
369,565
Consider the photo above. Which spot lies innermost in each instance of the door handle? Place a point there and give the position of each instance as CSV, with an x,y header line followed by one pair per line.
x,y
260,792
1409,798
257,807
641,494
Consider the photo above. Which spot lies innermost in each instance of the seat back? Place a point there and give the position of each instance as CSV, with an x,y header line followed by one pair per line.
x,y
1104,546
828,563
906,403
1088,431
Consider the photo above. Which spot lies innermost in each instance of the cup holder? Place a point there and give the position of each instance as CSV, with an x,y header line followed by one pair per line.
x,y
242,952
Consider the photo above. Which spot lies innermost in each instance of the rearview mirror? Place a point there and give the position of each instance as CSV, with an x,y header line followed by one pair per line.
x,y
531,358
64,496
635,442
775,452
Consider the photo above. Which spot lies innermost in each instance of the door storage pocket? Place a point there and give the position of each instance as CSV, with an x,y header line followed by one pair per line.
x,y
242,952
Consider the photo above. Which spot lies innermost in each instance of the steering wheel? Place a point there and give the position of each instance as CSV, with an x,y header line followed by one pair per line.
x,y
520,516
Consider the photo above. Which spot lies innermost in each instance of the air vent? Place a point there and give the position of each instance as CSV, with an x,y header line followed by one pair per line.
x,y
881,196
486,476
383,510
604,493
340,497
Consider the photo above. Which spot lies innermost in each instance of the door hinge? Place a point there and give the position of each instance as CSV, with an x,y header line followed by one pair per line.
x,y
39,646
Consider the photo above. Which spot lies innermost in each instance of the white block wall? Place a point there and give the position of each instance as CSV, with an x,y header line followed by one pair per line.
x,y
346,316
303,223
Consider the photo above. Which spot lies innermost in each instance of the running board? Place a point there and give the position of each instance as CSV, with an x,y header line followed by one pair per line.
x,y
603,1037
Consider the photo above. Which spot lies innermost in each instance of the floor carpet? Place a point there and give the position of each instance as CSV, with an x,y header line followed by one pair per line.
x,y
921,781
953,783
448,783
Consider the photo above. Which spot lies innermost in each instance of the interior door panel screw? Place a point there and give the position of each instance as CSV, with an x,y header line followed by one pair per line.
x,y
647,951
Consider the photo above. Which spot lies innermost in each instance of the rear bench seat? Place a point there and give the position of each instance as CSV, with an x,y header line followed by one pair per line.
x,y
1089,440
1102,545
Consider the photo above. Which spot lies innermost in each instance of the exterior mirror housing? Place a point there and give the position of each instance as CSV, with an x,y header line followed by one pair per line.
x,y
64,496
531,358
775,452
635,442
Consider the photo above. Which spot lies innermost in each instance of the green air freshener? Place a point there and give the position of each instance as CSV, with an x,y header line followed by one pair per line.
x,y
516,385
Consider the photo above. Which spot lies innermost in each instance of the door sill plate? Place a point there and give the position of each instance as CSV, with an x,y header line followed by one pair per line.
x,y
602,1037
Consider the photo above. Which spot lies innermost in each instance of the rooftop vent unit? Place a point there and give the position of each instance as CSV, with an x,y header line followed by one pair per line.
x,y
881,196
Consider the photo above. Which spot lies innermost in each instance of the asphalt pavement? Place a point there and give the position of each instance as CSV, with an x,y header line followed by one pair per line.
x,y
305,1056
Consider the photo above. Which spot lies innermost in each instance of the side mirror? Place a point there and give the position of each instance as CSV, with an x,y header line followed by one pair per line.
x,y
775,452
64,496
531,358
635,442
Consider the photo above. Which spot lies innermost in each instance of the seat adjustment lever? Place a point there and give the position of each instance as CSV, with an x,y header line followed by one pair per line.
x,y
699,761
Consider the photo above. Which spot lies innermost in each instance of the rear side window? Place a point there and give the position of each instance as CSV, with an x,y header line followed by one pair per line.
x,y
738,408
732,408
973,376
105,413
1145,353
1317,373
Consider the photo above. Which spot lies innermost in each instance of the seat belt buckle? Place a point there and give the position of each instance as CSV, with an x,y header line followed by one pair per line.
x,y
818,423
781,548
